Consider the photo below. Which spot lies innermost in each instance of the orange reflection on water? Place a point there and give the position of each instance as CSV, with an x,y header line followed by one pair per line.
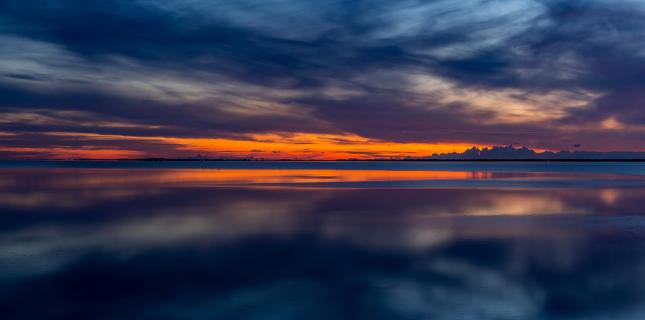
x,y
273,176
154,177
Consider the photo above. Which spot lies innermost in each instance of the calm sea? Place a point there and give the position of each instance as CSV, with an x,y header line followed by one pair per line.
x,y
322,240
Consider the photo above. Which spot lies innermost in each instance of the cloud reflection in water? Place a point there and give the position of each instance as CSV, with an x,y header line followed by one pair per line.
x,y
164,244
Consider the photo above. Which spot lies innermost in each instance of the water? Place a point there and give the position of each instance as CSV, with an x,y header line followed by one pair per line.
x,y
322,240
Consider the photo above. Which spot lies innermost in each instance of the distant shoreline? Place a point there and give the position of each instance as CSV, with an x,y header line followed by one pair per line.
x,y
322,160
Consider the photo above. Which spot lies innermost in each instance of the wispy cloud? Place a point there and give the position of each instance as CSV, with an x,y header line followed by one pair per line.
x,y
543,73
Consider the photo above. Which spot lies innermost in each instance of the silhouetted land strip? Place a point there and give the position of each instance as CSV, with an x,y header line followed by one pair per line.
x,y
335,160
508,153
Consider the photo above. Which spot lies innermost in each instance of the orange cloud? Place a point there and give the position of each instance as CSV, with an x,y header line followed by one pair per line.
x,y
301,146
313,146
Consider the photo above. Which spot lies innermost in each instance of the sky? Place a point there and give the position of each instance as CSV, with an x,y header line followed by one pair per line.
x,y
312,79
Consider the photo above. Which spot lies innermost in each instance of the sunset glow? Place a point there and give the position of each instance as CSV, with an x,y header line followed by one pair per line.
x,y
301,80
265,146
335,159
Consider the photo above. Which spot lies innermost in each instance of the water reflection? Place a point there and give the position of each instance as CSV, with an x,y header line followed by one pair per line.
x,y
167,244
67,177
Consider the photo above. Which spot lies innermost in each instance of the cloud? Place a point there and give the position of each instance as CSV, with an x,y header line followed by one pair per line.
x,y
407,71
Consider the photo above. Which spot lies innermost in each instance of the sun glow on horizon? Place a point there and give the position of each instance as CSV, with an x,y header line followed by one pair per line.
x,y
270,146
